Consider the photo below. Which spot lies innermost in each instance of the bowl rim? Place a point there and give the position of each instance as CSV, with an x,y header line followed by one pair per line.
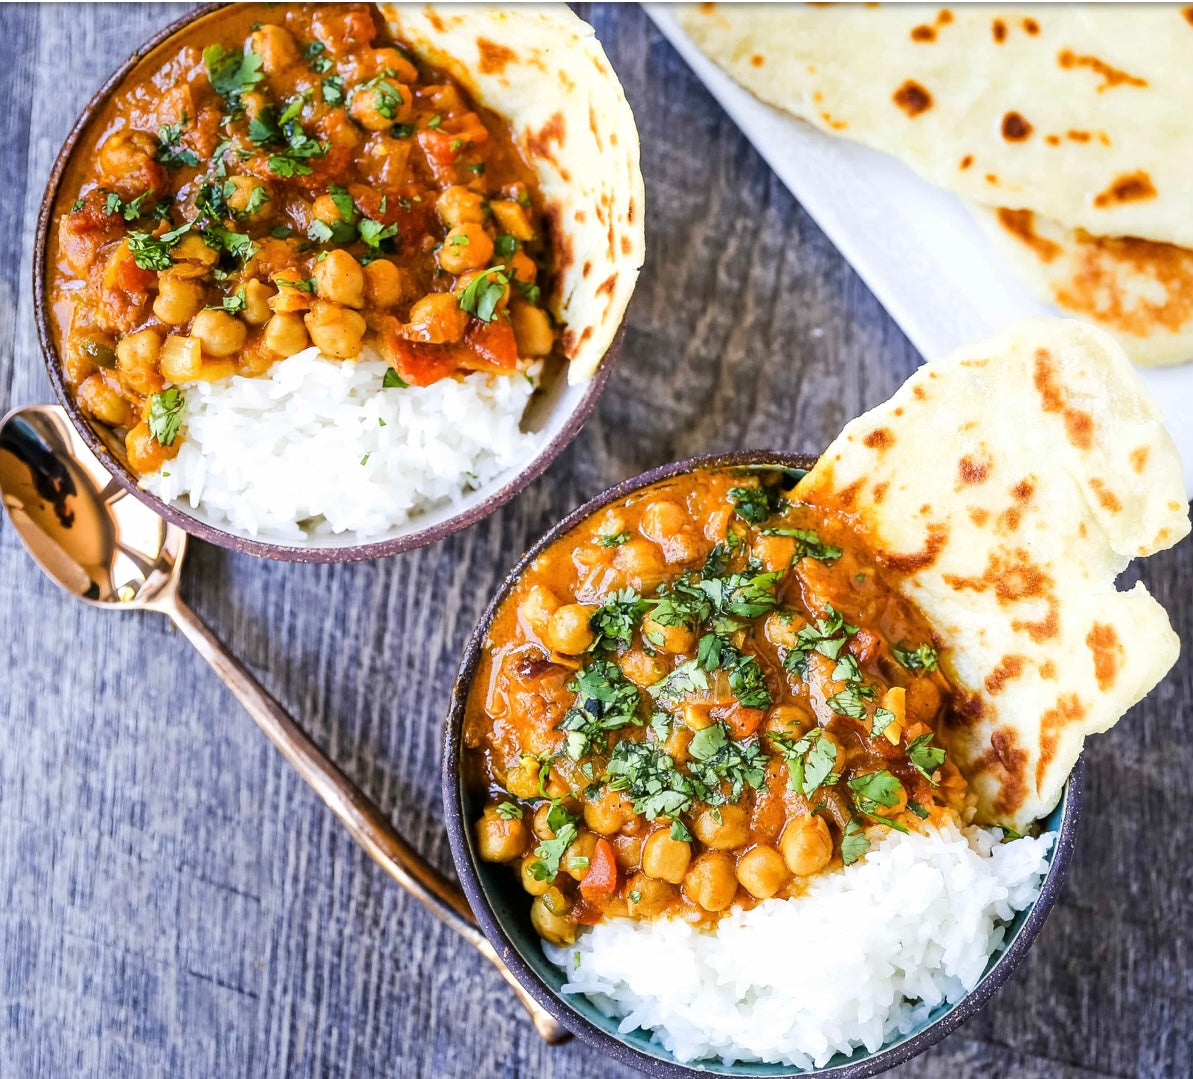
x,y
282,552
458,829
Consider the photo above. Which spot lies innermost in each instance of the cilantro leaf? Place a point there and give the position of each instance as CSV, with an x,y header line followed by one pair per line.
x,y
605,701
718,759
170,151
925,758
874,789
165,415
232,74
828,635
549,852
153,252
883,718
392,380
757,502
807,544
616,539
853,842
509,811
374,234
810,761
921,658
615,619
483,293
684,679
333,90
647,775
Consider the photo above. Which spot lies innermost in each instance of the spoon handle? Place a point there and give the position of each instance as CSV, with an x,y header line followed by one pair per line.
x,y
363,820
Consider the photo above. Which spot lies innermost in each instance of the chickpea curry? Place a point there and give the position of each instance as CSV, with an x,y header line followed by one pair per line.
x,y
277,176
698,698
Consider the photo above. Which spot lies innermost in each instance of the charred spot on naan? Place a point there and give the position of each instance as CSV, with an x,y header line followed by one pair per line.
x,y
1015,128
1129,188
912,98
1079,425
1111,76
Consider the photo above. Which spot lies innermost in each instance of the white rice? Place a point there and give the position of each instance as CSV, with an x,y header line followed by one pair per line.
x,y
317,446
860,958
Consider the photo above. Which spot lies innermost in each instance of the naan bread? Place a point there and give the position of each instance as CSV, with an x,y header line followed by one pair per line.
x,y
542,69
1009,485
1139,291
1079,112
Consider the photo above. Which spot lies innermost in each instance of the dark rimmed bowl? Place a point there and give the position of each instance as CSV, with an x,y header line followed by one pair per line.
x,y
503,910
557,413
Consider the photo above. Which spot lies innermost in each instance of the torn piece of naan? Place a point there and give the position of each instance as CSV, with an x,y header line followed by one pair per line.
x,y
1139,291
1009,485
1079,112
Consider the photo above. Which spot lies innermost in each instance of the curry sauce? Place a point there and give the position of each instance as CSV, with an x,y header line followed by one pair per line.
x,y
698,698
277,176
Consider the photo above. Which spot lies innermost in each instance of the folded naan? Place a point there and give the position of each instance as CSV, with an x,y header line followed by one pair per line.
x,y
1010,484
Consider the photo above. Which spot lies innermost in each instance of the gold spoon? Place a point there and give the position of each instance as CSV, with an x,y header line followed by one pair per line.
x,y
105,547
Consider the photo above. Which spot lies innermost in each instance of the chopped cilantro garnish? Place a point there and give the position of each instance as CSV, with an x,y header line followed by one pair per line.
x,y
605,701
530,293
883,718
153,252
849,701
303,284
333,90
810,761
130,211
374,233
549,852
874,789
686,678
827,635
616,539
614,620
505,245
921,658
232,74
391,380
647,775
170,151
683,604
853,842
679,832
718,759
757,502
232,304
917,809
165,415
434,122
925,758
807,544
483,293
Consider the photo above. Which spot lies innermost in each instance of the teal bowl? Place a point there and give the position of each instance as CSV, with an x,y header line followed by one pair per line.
x,y
502,908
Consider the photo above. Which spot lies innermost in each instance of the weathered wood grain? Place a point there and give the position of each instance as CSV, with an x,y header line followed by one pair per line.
x,y
172,899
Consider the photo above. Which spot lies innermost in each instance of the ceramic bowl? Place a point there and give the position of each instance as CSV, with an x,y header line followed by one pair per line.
x,y
556,414
503,909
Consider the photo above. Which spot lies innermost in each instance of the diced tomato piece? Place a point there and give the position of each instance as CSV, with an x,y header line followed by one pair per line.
x,y
742,721
417,363
438,146
492,346
84,232
601,878
865,645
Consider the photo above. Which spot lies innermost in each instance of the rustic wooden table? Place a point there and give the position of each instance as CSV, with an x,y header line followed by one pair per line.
x,y
173,901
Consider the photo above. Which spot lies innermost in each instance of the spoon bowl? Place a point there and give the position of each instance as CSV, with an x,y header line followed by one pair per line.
x,y
108,549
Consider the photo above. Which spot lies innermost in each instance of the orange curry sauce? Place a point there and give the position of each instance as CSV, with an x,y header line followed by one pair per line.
x,y
700,697
275,176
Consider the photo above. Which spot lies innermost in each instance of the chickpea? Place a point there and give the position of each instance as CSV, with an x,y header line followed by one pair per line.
x,y
577,857
136,359
437,319
466,247
220,333
382,105
647,897
568,630
192,257
539,823
782,628
511,217
288,299
807,845
100,397
458,205
499,839
523,267
245,194
762,871
732,830
285,335
627,851
335,330
144,452
530,882
522,780
672,639
386,285
254,103
606,814
181,358
665,858
642,669
664,518
256,302
710,882
276,47
555,928
324,209
178,300
388,59
532,330
126,153
641,562
774,552
537,607
340,278
787,719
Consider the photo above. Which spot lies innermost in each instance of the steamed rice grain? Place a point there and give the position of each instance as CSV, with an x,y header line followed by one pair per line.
x,y
317,446
864,956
